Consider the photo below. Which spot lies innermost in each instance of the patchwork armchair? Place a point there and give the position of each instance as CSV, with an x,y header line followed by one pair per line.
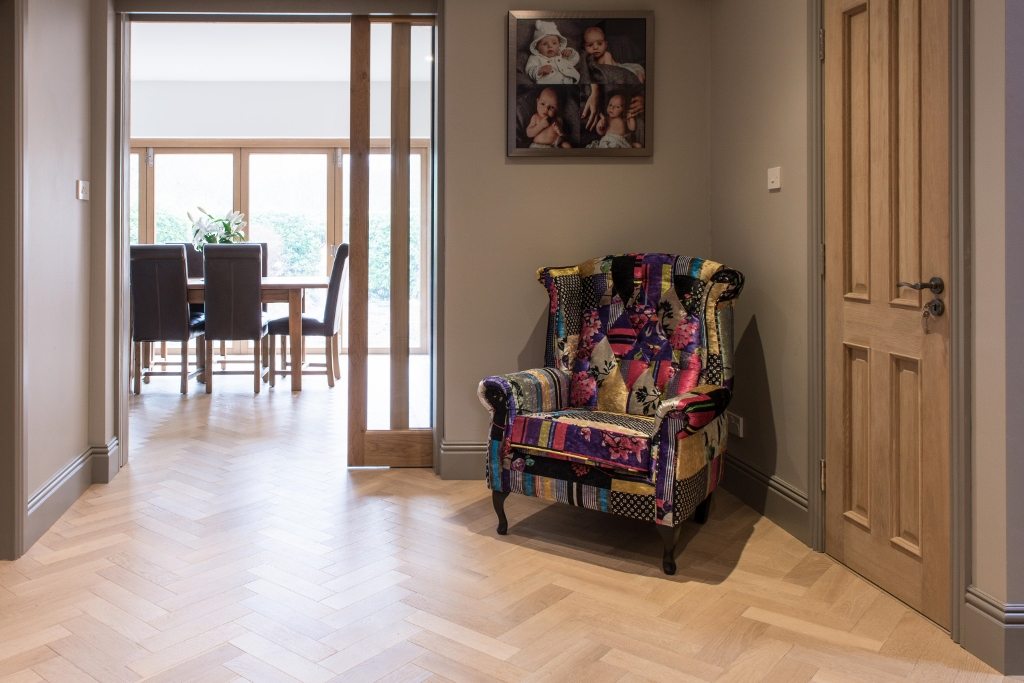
x,y
628,414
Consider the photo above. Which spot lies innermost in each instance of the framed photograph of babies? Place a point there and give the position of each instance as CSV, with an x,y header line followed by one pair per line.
x,y
579,83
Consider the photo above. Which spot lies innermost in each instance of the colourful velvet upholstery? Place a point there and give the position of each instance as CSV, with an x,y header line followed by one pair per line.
x,y
628,416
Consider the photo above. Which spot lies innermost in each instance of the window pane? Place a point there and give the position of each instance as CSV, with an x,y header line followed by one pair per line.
x,y
380,251
133,198
185,182
288,211
416,243
380,80
420,402
379,327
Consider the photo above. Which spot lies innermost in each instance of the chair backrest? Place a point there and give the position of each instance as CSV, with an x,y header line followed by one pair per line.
x,y
233,274
193,259
332,311
264,254
635,329
159,292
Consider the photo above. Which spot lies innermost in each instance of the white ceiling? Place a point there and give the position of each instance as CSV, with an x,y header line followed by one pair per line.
x,y
193,51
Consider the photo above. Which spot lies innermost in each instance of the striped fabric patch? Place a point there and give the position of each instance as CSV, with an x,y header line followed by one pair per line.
x,y
620,441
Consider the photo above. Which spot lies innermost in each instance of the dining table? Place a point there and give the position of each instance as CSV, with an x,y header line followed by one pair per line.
x,y
278,289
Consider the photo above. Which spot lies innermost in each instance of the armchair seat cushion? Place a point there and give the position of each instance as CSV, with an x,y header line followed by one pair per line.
x,y
595,437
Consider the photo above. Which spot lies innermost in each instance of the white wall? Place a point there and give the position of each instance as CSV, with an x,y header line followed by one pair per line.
x,y
56,237
759,119
504,218
258,109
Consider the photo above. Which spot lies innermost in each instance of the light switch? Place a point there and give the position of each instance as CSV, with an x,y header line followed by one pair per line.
x,y
82,190
774,178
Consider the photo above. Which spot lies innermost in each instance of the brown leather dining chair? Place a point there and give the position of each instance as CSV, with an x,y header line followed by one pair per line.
x,y
160,311
234,309
326,327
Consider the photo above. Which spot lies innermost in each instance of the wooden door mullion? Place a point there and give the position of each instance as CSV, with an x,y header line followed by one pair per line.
x,y
400,149
359,227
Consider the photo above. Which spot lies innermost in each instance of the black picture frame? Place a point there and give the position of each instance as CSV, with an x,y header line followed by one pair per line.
x,y
579,84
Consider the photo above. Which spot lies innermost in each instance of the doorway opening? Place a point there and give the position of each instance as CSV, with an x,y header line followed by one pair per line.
x,y
254,116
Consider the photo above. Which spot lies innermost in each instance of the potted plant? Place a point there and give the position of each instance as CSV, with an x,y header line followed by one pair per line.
x,y
207,229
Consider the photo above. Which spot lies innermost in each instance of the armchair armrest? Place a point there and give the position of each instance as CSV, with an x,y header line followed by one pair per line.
x,y
675,455
529,391
695,409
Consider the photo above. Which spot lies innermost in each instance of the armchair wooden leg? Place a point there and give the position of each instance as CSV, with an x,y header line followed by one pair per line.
x,y
184,367
265,347
147,359
700,515
136,368
670,537
329,359
284,351
336,350
272,358
498,500
209,367
256,366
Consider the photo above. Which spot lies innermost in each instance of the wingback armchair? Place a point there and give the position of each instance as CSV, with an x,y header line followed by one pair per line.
x,y
628,414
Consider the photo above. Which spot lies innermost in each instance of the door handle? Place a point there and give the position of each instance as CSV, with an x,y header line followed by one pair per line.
x,y
936,285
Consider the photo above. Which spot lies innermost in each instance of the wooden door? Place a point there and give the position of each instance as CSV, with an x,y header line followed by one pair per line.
x,y
398,446
887,221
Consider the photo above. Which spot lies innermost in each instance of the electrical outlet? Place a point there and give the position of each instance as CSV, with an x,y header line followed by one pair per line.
x,y
82,190
774,178
735,423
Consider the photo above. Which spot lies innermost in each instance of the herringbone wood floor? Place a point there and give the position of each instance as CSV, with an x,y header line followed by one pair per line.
x,y
237,547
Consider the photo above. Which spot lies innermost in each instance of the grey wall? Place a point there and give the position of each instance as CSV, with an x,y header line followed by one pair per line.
x,y
993,613
990,320
56,237
759,115
10,415
504,218
1014,257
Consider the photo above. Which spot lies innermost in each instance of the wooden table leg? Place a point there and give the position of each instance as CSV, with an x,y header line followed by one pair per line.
x,y
295,332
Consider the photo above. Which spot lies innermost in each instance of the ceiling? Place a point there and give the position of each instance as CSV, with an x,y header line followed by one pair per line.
x,y
257,51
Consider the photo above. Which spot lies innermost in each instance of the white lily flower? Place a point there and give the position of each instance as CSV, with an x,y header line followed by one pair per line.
x,y
236,219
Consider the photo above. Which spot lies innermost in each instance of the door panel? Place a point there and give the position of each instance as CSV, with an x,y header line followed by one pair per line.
x,y
887,224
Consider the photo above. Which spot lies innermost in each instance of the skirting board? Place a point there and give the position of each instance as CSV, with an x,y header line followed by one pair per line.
x,y
46,505
462,459
774,498
993,631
